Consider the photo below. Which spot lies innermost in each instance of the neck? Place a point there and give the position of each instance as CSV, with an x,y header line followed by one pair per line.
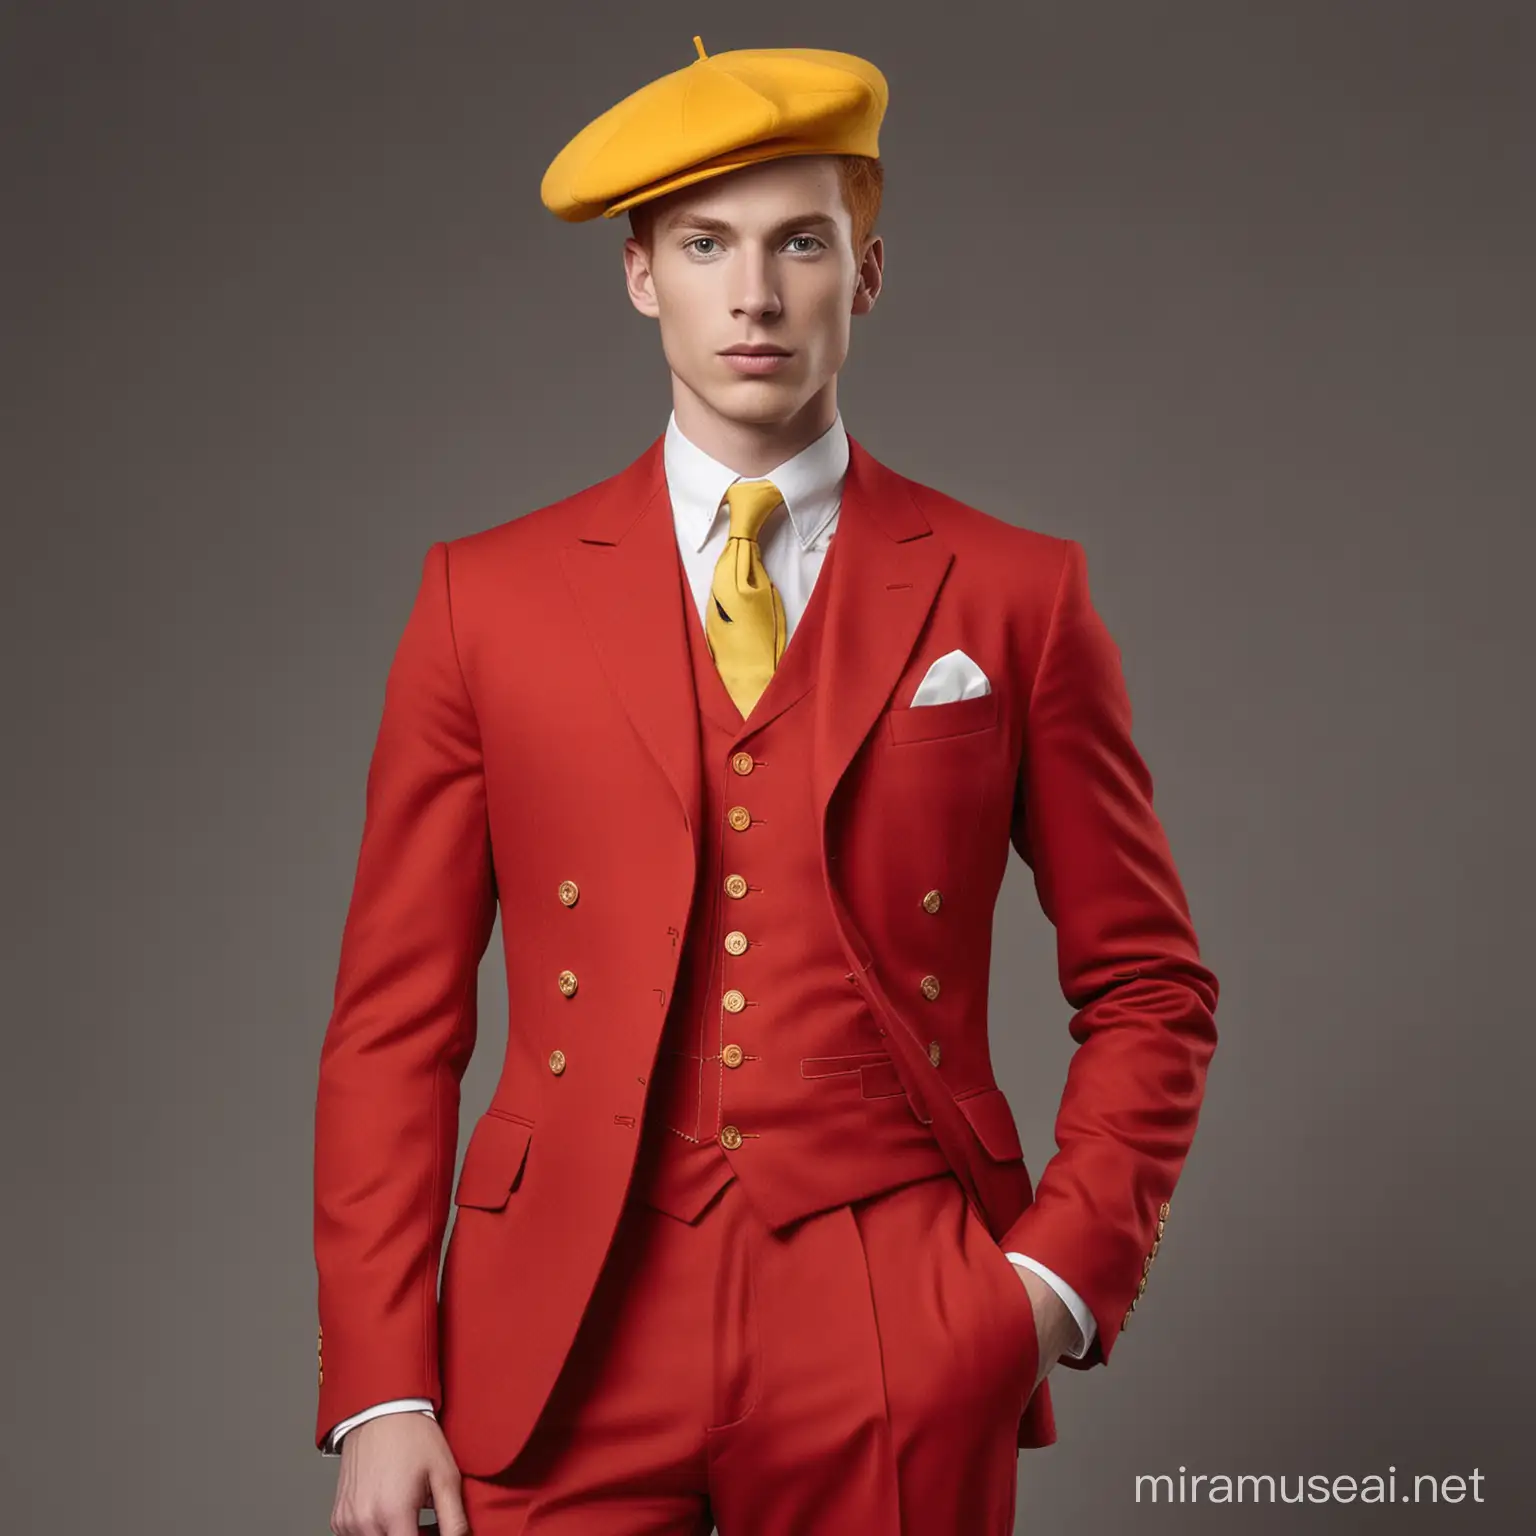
x,y
752,447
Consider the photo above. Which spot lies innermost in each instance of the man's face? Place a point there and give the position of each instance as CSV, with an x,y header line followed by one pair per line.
x,y
763,255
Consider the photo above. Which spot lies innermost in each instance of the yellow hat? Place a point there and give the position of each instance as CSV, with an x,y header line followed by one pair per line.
x,y
716,115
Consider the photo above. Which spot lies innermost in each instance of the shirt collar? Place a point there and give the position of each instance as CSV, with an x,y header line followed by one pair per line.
x,y
811,483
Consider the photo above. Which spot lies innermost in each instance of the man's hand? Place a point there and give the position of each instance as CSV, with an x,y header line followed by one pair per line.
x,y
392,1467
1056,1329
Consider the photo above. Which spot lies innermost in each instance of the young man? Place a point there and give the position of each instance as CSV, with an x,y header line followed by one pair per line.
x,y
739,740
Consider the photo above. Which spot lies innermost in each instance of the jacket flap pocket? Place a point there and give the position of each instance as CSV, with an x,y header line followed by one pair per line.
x,y
493,1162
992,1120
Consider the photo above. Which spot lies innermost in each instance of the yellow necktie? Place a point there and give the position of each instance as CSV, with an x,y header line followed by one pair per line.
x,y
744,621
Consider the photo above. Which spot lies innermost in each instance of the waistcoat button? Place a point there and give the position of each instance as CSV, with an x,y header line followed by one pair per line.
x,y
930,987
557,1062
735,885
931,901
732,1055
742,762
736,942
739,817
568,982
733,1001
730,1138
569,892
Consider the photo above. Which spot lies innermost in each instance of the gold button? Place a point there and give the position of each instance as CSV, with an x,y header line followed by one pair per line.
x,y
736,942
930,987
934,1052
732,1055
557,1062
739,817
568,982
931,901
735,885
733,1001
730,1138
568,892
742,762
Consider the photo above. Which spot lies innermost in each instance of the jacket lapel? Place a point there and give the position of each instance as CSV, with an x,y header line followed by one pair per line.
x,y
624,574
884,583
623,571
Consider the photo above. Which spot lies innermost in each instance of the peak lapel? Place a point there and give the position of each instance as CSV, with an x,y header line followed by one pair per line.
x,y
884,581
623,571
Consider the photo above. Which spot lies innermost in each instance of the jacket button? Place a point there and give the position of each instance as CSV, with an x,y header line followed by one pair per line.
x,y
739,817
734,1001
932,901
735,885
730,1138
736,942
742,762
557,1062
930,987
568,982
569,892
933,1052
732,1055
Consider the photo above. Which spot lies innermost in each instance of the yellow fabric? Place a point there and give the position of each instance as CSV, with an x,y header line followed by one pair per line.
x,y
744,620
717,114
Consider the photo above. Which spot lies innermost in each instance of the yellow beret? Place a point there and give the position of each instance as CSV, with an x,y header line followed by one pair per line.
x,y
716,115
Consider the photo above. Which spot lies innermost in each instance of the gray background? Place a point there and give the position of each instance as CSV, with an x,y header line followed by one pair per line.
x,y
1238,295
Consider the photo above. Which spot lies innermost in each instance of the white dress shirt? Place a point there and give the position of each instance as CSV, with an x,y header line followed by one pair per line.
x,y
794,541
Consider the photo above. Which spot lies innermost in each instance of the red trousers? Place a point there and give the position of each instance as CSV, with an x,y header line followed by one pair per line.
x,y
863,1371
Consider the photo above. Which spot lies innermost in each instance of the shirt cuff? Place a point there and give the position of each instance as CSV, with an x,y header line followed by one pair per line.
x,y
1086,1327
332,1446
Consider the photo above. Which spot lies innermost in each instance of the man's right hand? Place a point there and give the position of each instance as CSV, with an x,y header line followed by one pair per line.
x,y
391,1468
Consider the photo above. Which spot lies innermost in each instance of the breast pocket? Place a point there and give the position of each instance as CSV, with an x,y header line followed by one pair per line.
x,y
933,722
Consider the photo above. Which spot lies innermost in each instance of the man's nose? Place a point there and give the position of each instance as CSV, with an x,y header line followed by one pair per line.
x,y
756,290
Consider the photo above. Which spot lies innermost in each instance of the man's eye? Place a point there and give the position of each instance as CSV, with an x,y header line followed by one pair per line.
x,y
811,238
698,238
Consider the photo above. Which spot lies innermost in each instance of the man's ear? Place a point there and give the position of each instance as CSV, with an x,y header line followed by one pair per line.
x,y
866,288
637,278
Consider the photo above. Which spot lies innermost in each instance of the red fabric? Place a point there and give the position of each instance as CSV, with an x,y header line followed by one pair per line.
x,y
863,1371
814,1094
539,725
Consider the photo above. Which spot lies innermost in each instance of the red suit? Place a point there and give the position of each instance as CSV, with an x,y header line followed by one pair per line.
x,y
747,969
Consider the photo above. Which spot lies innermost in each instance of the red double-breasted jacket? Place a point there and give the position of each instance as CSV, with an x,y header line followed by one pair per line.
x,y
539,719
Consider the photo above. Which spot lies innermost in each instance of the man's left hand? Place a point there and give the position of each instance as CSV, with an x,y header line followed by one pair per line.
x,y
1056,1329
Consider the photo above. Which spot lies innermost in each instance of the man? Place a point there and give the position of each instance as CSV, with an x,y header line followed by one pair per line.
x,y
739,739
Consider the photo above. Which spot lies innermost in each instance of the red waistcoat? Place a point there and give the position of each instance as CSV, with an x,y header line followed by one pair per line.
x,y
771,1066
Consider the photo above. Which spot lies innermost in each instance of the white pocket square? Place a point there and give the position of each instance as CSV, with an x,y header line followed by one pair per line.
x,y
951,677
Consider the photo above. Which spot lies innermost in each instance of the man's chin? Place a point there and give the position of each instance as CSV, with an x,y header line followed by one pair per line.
x,y
754,402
